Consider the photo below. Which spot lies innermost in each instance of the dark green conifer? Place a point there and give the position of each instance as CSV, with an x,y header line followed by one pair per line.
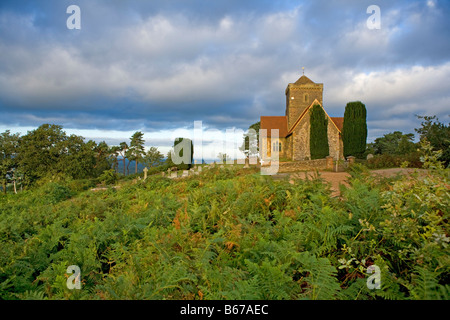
x,y
318,137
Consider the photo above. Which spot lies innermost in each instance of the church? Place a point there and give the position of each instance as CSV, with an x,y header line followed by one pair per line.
x,y
293,142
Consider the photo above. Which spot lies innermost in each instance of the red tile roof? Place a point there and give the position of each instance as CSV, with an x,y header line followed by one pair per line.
x,y
275,122
339,122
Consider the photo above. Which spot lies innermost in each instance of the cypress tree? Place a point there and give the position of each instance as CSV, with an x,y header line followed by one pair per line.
x,y
318,135
354,133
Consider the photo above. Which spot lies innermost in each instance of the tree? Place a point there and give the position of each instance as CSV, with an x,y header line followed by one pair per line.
x,y
136,151
8,148
168,162
183,149
318,137
250,145
395,143
153,157
438,134
80,158
40,150
123,149
223,157
354,133
114,153
102,151
47,150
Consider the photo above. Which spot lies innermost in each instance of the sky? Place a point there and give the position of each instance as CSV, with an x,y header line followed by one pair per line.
x,y
158,66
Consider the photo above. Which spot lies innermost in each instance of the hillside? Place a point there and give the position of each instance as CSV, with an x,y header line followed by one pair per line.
x,y
229,233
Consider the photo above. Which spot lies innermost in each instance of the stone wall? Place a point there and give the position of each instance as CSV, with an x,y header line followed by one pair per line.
x,y
288,148
319,164
334,141
301,140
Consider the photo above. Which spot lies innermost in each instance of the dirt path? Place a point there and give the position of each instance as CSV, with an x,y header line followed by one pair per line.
x,y
337,178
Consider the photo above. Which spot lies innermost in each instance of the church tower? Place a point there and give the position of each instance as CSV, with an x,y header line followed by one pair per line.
x,y
299,96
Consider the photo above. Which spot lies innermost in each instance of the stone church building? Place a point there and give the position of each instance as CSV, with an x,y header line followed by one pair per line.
x,y
294,126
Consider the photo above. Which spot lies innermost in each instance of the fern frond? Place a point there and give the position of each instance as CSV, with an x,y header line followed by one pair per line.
x,y
32,295
322,277
425,286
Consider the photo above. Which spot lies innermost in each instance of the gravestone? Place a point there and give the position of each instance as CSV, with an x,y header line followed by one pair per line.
x,y
185,173
173,175
145,173
246,163
369,156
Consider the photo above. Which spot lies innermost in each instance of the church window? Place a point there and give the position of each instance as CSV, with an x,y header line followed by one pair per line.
x,y
306,97
277,146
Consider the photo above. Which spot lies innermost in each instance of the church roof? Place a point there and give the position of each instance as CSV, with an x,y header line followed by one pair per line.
x,y
304,80
339,122
275,122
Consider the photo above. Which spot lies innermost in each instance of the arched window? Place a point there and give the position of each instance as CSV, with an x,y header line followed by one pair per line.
x,y
306,97
277,146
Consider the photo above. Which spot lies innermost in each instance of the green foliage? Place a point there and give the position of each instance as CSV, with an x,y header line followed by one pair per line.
x,y
318,135
380,161
425,286
54,193
8,148
429,157
136,150
153,157
108,177
229,233
322,283
395,143
354,133
48,151
438,134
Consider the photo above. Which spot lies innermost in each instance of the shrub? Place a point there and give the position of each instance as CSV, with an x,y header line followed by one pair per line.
x,y
53,193
108,177
81,185
394,161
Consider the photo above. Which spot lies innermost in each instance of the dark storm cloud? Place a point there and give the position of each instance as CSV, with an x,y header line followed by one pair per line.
x,y
164,64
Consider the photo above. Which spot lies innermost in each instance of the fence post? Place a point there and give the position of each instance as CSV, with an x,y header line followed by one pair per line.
x,y
329,163
351,160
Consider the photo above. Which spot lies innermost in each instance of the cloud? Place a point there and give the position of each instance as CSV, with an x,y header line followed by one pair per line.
x,y
146,65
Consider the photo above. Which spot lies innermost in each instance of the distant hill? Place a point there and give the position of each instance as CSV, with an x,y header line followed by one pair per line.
x,y
141,167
